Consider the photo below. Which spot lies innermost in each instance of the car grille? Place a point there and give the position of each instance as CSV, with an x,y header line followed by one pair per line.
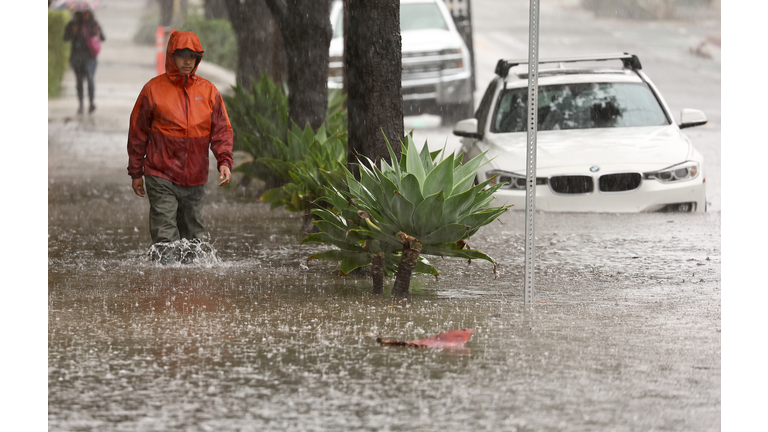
x,y
429,64
576,184
421,68
620,182
425,89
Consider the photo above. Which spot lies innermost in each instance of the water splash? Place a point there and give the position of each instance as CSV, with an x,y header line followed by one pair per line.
x,y
183,251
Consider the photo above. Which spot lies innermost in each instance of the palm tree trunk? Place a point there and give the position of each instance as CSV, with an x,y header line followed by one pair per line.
x,y
373,56
411,252
307,32
377,271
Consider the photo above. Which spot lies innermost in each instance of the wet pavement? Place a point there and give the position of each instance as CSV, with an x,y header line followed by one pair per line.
x,y
625,333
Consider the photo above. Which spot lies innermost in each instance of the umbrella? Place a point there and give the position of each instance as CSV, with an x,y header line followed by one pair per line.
x,y
75,5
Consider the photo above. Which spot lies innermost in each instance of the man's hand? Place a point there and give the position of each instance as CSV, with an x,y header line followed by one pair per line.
x,y
138,186
224,176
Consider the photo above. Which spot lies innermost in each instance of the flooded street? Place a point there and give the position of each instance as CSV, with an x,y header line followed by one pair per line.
x,y
625,333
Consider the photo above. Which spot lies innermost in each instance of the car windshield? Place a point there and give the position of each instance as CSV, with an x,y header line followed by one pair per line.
x,y
413,16
580,106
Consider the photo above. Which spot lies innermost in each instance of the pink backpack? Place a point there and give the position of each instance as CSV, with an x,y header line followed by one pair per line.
x,y
93,42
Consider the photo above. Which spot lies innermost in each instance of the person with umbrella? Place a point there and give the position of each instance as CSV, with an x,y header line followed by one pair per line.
x,y
79,30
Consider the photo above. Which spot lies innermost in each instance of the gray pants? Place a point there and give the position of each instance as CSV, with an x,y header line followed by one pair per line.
x,y
85,69
175,212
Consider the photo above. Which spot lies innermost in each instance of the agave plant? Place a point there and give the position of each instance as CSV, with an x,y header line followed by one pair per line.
x,y
416,207
344,225
312,161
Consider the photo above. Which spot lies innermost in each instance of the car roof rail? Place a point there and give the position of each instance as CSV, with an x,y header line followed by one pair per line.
x,y
630,61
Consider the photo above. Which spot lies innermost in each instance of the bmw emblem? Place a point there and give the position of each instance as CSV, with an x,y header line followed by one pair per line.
x,y
594,168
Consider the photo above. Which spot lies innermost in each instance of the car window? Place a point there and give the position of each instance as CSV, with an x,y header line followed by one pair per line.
x,y
413,16
485,106
580,106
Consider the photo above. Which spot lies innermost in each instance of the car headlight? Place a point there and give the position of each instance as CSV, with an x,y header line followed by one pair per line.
x,y
681,172
453,64
513,181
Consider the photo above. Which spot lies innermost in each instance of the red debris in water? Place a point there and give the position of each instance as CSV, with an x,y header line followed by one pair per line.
x,y
449,339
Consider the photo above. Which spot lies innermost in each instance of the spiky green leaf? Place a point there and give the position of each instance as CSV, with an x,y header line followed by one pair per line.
x,y
353,262
465,175
425,268
476,220
440,178
428,215
445,234
403,209
414,165
410,188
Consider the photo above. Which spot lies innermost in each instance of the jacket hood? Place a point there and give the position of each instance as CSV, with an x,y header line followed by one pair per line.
x,y
180,40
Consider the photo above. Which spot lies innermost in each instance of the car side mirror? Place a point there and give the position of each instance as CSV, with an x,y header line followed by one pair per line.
x,y
467,128
691,117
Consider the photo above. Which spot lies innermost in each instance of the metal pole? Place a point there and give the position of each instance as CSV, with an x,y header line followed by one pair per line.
x,y
530,181
471,47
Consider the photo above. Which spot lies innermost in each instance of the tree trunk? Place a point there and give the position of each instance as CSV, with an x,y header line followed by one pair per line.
x,y
372,46
345,21
166,12
377,273
306,29
411,252
215,9
259,43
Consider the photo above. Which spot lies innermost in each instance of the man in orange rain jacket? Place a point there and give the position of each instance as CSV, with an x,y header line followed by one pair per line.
x,y
177,117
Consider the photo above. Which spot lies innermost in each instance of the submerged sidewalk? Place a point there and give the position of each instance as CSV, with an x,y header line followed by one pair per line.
x,y
123,69
88,145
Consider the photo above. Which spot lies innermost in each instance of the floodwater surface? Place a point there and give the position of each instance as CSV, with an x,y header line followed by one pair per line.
x,y
624,334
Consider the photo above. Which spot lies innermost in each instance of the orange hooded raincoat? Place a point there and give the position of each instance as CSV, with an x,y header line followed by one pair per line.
x,y
175,119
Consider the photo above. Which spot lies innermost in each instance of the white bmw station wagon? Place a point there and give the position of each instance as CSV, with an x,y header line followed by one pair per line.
x,y
606,140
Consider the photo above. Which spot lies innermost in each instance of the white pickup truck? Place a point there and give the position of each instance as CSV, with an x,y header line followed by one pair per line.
x,y
437,66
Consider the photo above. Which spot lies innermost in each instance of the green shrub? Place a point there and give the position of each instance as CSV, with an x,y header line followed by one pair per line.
x,y
58,50
337,120
259,119
314,162
217,37
257,116
417,206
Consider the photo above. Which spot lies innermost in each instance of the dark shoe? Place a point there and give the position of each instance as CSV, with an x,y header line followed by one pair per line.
x,y
189,258
91,108
80,109
168,258
164,255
